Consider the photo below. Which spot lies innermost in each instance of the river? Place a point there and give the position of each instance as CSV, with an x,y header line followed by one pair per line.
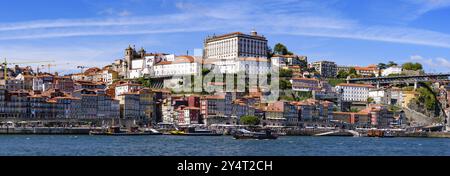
x,y
83,145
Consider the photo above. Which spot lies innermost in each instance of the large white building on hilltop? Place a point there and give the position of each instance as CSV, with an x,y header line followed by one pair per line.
x,y
233,45
237,52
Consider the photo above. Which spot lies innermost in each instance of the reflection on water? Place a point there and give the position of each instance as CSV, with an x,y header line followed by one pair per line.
x,y
222,145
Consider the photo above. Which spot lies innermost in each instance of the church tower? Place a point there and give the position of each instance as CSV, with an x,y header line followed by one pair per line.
x,y
129,56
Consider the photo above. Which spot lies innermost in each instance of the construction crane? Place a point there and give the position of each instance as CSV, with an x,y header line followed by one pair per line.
x,y
5,66
49,66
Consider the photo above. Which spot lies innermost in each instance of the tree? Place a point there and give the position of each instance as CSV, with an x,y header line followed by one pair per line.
x,y
412,66
381,66
280,49
342,74
285,73
391,64
285,84
144,81
370,100
205,71
249,120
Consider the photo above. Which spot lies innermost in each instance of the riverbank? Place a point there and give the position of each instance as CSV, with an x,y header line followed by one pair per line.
x,y
84,145
47,130
291,132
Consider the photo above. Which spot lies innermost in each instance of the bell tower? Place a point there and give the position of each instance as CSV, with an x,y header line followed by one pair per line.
x,y
129,56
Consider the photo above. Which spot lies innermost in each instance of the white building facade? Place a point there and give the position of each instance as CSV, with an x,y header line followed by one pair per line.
x,y
391,70
230,46
354,92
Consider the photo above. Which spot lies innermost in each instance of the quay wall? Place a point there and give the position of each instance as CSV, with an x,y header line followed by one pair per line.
x,y
46,130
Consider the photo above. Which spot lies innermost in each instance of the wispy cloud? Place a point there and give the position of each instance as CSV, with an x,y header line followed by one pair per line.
x,y
432,64
308,18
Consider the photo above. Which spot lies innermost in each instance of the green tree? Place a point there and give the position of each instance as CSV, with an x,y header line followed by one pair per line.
x,y
285,84
427,98
354,110
342,74
392,63
352,71
382,66
370,100
205,71
281,49
144,81
285,73
412,66
249,120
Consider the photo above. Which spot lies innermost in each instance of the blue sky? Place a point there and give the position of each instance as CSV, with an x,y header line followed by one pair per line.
x,y
350,32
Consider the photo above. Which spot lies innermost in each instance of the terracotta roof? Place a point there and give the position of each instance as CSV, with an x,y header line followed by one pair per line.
x,y
366,68
215,97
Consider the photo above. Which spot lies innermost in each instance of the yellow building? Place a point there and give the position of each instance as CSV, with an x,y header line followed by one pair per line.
x,y
407,97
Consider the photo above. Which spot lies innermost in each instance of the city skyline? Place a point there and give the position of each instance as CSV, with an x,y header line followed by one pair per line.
x,y
94,33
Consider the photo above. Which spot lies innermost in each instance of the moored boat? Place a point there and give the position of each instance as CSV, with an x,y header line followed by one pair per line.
x,y
116,131
245,134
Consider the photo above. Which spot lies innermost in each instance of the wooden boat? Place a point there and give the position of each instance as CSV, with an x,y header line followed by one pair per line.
x,y
380,133
194,132
245,134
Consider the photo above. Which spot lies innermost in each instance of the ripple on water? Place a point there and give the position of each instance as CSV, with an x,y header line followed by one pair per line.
x,y
223,145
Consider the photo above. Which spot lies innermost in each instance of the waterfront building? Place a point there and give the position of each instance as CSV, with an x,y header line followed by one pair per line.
x,y
273,116
146,104
359,119
354,92
188,115
213,109
234,45
283,109
68,107
40,107
326,69
129,105
16,104
96,104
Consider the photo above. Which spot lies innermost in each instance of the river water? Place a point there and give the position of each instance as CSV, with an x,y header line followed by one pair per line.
x,y
83,145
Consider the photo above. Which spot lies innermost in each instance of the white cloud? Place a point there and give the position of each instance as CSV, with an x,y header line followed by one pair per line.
x,y
297,18
432,64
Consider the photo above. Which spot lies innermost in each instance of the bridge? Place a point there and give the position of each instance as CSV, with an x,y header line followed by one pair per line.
x,y
434,77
